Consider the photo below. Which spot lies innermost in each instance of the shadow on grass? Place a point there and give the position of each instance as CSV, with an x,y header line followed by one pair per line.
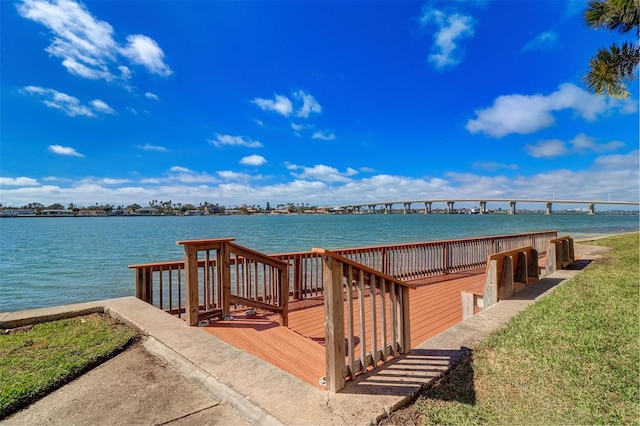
x,y
455,385
408,375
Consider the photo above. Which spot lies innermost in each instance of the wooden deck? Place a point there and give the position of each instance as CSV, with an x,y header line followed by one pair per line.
x,y
435,306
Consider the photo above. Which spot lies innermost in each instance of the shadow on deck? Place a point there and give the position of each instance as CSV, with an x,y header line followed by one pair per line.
x,y
299,349
435,306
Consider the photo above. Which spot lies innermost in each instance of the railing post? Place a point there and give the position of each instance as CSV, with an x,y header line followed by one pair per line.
x,y
384,259
445,258
224,278
406,323
144,284
297,278
334,323
284,297
191,278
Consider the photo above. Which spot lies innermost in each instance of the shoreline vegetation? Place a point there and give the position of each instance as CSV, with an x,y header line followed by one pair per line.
x,y
571,358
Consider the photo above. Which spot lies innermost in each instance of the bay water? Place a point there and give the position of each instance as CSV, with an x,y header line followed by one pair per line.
x,y
56,261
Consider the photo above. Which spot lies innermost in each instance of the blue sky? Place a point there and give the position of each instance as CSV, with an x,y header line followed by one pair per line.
x,y
323,103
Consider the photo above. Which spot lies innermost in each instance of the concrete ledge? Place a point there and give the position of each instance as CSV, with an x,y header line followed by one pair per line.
x,y
36,316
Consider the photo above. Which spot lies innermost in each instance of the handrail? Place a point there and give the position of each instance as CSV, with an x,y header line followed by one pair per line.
x,y
161,283
256,280
347,261
381,309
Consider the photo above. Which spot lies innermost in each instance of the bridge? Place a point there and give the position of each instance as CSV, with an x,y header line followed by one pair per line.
x,y
388,205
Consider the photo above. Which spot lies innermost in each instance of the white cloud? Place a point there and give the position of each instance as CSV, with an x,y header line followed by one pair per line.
x,y
326,185
222,140
280,104
619,162
101,106
64,150
153,96
493,166
581,144
326,136
253,160
322,173
231,175
526,114
19,181
309,104
543,41
451,28
549,148
145,51
70,105
125,72
149,147
86,45
185,175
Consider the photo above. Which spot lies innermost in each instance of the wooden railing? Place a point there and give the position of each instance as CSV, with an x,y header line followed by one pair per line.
x,y
224,275
162,283
411,260
376,304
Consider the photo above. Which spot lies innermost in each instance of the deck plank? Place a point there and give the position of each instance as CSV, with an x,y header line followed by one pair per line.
x,y
435,306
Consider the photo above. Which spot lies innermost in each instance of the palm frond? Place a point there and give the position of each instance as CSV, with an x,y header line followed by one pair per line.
x,y
611,69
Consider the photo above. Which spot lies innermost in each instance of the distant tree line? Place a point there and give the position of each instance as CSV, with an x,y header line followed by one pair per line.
x,y
169,208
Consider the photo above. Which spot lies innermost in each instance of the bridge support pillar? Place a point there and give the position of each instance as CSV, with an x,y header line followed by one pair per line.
x,y
372,208
549,210
512,207
427,207
483,207
387,208
592,208
450,209
407,208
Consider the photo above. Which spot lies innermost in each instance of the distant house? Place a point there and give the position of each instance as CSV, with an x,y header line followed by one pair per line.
x,y
56,212
193,213
91,212
18,212
149,211
214,209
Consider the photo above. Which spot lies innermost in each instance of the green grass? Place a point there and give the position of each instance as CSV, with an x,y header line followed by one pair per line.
x,y
571,358
37,359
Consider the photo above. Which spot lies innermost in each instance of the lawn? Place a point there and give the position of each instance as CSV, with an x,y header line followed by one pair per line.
x,y
571,358
35,360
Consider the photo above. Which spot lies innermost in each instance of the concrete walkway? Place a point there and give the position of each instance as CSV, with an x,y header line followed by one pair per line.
x,y
194,378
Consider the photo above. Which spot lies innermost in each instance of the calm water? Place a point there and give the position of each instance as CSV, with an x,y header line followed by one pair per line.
x,y
54,261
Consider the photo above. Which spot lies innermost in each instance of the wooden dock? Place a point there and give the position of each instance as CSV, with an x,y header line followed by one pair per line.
x,y
435,306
